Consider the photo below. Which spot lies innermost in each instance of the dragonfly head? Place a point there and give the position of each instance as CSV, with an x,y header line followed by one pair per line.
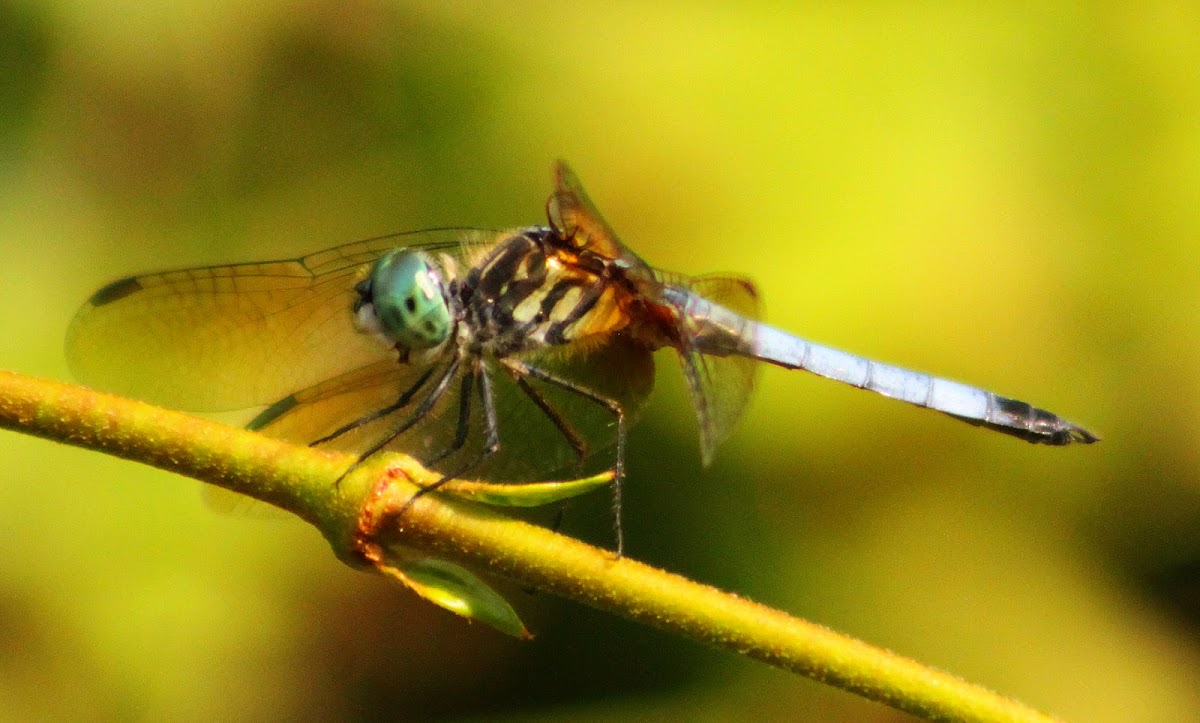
x,y
407,296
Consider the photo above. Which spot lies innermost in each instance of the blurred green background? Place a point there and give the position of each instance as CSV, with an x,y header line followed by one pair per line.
x,y
1008,196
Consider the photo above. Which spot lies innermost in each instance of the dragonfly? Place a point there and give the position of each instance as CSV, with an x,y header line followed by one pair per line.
x,y
504,355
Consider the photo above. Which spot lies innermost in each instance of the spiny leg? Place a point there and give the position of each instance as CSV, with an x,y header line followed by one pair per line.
x,y
463,428
578,444
397,405
614,407
491,443
423,409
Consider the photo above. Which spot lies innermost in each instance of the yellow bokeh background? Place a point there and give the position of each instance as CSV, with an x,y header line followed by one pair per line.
x,y
1008,196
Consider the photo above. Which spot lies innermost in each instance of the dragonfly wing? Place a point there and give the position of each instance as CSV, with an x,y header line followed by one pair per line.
x,y
230,337
577,221
532,446
318,411
720,384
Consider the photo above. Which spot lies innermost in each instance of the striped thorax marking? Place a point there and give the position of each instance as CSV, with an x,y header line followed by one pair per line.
x,y
524,295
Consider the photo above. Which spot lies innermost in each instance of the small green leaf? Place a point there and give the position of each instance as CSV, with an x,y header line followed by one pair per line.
x,y
531,494
453,588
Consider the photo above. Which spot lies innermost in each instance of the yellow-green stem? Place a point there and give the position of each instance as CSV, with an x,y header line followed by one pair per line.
x,y
300,480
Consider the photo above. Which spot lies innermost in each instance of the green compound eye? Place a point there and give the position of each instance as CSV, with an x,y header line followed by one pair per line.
x,y
406,290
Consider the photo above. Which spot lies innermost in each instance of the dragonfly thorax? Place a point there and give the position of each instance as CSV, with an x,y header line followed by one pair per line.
x,y
404,301
527,292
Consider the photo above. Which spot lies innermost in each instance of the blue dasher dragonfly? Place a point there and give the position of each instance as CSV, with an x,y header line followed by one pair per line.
x,y
503,355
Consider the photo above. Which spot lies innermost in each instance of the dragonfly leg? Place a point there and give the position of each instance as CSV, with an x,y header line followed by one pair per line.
x,y
525,370
423,409
491,444
402,402
578,443
565,428
466,390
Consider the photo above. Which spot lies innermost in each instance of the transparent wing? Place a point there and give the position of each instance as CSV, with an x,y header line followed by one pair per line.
x,y
720,385
532,446
231,337
313,413
577,221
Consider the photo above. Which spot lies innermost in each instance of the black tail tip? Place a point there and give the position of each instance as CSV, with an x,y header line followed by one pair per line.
x,y
1079,435
1058,433
1038,427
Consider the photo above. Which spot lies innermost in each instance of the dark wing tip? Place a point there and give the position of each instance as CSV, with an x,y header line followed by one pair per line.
x,y
273,412
115,291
